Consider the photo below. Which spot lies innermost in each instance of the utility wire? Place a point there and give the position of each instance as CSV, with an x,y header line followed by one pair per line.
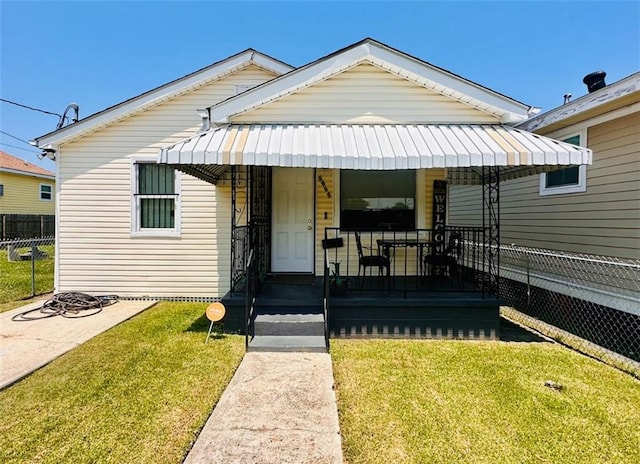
x,y
14,137
19,148
29,107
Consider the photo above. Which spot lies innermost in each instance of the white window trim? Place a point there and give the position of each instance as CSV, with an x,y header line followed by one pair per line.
x,y
581,186
42,184
136,231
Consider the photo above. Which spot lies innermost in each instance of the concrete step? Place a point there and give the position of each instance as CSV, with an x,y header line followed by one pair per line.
x,y
289,324
288,343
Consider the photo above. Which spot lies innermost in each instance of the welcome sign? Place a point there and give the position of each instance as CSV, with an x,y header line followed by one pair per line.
x,y
439,214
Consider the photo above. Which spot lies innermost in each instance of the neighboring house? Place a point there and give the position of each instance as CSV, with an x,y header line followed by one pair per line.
x,y
25,188
588,209
267,158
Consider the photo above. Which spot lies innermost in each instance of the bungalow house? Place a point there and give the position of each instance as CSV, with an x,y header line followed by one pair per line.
x,y
27,198
207,186
24,187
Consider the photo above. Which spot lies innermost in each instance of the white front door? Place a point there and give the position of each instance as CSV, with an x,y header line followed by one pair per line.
x,y
293,226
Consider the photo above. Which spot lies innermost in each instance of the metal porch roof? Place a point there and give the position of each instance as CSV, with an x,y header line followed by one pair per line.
x,y
462,148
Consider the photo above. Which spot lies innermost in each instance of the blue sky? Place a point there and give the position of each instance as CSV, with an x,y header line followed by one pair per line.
x,y
98,54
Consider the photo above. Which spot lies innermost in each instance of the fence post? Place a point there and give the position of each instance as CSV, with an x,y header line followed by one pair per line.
x,y
33,269
528,282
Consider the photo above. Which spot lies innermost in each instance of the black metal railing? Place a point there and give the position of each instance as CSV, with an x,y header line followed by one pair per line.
x,y
239,254
250,298
326,297
448,259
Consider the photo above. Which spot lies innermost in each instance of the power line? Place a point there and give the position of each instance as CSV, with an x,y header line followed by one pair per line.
x,y
29,107
18,148
14,137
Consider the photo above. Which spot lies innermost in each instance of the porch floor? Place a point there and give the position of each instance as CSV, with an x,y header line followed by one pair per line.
x,y
445,308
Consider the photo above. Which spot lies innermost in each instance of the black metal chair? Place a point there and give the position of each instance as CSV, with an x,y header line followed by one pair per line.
x,y
446,262
371,260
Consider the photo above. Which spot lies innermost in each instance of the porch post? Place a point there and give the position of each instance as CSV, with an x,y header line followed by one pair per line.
x,y
491,226
234,238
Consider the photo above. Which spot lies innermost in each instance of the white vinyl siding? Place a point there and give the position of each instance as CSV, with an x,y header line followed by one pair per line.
x,y
366,94
604,220
96,250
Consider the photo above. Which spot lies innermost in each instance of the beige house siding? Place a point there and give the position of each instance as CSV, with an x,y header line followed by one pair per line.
x,y
366,94
604,220
96,249
22,194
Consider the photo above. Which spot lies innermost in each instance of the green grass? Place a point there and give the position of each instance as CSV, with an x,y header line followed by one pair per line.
x,y
482,402
15,278
139,392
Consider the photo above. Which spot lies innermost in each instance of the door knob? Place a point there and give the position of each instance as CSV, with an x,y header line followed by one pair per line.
x,y
309,227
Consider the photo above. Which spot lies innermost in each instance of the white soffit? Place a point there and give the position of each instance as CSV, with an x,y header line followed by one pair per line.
x,y
378,147
369,51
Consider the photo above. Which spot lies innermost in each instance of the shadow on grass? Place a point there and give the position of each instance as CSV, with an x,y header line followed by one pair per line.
x,y
202,325
512,332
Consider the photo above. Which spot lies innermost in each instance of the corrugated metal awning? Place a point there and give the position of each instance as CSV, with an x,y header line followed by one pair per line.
x,y
462,148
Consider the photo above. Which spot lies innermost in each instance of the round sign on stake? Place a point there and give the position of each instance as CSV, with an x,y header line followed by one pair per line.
x,y
215,311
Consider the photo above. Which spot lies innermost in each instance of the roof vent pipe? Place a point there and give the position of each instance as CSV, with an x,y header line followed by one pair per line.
x,y
595,81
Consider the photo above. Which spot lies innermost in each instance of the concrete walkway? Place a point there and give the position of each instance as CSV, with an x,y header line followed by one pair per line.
x,y
28,345
278,408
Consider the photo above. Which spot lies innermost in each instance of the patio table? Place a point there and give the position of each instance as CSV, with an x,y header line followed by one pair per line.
x,y
386,246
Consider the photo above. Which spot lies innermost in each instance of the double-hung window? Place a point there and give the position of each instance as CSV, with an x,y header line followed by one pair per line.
x,y
568,180
156,200
377,200
46,192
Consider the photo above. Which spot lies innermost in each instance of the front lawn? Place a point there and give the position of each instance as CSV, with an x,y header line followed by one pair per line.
x,y
139,392
482,402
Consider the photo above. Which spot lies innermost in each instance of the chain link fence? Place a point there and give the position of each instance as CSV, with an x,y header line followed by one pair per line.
x,y
26,268
591,303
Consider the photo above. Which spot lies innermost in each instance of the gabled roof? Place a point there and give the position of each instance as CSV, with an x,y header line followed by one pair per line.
x,y
592,104
370,51
14,165
163,93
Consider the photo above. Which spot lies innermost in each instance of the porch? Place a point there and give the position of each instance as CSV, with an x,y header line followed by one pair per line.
x,y
407,304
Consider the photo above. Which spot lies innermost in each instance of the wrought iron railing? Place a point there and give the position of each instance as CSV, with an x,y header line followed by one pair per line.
x,y
326,299
239,255
447,259
250,298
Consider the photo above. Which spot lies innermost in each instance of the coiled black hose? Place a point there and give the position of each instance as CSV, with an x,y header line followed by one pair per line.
x,y
69,304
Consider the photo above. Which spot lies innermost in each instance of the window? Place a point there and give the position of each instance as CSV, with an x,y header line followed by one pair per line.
x,y
568,180
1,190
155,204
46,192
377,200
